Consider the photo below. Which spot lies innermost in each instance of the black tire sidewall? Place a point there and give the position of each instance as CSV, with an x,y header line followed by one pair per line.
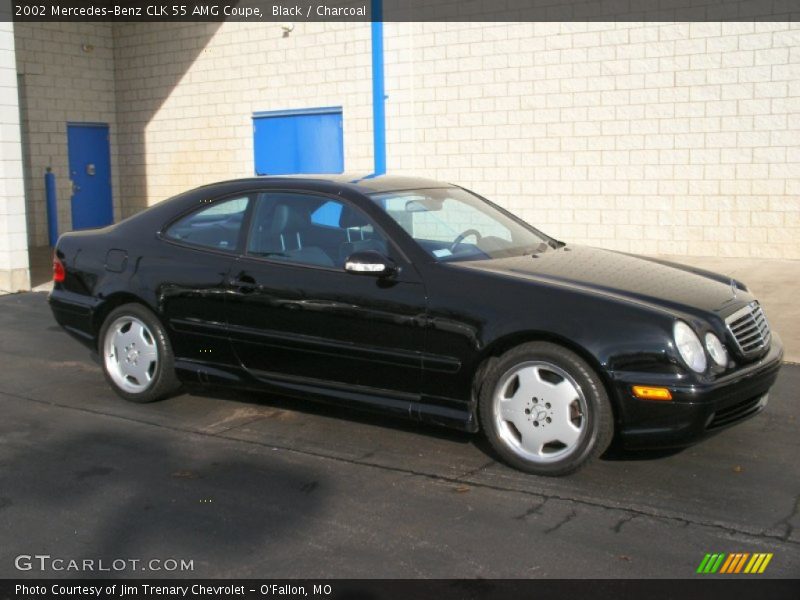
x,y
164,381
599,417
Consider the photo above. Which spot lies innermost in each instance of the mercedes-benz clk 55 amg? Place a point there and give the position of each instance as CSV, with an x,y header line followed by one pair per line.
x,y
420,299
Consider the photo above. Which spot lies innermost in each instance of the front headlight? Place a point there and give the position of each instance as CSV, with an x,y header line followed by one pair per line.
x,y
716,349
689,347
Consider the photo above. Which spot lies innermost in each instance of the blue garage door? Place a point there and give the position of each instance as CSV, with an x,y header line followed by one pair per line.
x,y
298,141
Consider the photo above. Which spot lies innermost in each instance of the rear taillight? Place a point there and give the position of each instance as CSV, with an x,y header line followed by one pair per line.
x,y
59,274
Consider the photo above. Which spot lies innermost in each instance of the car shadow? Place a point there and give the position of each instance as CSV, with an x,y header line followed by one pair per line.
x,y
618,453
330,409
615,453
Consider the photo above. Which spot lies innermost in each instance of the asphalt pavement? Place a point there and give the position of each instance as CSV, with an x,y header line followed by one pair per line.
x,y
250,485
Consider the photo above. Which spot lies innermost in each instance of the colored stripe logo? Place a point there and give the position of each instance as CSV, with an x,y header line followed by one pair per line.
x,y
737,562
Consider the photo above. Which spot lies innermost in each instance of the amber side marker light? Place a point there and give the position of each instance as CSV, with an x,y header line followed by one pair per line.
x,y
644,392
59,274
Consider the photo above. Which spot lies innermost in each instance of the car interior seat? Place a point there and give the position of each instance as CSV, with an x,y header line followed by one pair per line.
x,y
282,234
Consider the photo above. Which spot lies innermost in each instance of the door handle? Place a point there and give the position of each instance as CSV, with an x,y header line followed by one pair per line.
x,y
244,283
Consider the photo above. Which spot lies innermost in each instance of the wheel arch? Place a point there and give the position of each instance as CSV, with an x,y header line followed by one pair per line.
x,y
501,345
111,302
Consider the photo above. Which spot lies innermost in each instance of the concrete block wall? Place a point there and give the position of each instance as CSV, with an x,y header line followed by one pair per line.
x,y
676,138
186,93
67,75
14,273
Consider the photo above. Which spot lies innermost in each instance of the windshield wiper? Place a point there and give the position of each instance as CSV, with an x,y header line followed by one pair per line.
x,y
542,247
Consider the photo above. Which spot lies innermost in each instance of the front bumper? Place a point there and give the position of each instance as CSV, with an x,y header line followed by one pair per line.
x,y
697,410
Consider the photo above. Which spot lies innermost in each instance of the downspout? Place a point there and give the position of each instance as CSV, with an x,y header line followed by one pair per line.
x,y
378,92
52,206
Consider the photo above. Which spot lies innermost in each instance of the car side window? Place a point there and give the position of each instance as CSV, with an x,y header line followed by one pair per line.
x,y
216,226
309,229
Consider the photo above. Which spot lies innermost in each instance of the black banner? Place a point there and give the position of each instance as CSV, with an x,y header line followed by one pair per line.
x,y
402,10
737,588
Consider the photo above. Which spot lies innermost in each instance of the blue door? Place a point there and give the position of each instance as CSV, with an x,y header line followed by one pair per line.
x,y
90,174
300,141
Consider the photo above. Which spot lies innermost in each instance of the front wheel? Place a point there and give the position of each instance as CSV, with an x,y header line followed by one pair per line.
x,y
544,410
137,357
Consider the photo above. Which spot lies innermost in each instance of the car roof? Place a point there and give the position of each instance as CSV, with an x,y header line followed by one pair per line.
x,y
366,184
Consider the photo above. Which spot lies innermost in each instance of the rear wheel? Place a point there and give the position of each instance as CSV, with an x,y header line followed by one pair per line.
x,y
137,357
544,410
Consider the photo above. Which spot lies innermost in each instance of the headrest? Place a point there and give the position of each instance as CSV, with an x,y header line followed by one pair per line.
x,y
287,219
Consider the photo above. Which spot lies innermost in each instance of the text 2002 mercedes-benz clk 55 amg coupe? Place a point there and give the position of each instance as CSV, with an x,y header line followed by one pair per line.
x,y
420,299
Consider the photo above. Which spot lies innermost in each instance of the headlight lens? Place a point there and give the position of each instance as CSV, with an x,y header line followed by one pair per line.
x,y
716,350
689,347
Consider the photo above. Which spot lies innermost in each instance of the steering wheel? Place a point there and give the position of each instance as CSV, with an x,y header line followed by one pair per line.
x,y
460,238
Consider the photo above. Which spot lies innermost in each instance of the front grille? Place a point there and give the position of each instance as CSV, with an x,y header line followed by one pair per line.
x,y
749,328
737,412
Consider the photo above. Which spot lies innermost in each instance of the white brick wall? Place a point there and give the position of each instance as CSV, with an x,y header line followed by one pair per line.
x,y
680,138
186,94
13,233
62,83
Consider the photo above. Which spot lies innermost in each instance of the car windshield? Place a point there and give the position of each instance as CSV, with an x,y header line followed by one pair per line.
x,y
453,224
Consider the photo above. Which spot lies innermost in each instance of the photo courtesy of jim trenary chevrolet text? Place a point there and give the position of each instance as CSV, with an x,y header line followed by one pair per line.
x,y
399,299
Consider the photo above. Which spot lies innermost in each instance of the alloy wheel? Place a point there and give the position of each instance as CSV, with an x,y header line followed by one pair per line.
x,y
540,412
130,354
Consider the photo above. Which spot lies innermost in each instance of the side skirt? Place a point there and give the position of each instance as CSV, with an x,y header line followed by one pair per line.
x,y
407,406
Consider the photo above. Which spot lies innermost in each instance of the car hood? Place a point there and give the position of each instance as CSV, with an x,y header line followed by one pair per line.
x,y
634,278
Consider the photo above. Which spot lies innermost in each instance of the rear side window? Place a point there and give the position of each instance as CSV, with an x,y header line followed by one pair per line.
x,y
217,226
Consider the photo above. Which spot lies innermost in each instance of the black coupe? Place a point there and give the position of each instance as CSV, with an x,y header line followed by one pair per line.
x,y
420,299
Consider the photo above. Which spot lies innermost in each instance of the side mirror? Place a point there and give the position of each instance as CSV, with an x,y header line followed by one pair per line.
x,y
370,262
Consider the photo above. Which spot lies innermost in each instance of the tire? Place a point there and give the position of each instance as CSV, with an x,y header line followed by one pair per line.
x,y
136,355
544,410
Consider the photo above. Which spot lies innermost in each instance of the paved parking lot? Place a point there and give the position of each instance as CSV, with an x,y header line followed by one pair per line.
x,y
255,486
